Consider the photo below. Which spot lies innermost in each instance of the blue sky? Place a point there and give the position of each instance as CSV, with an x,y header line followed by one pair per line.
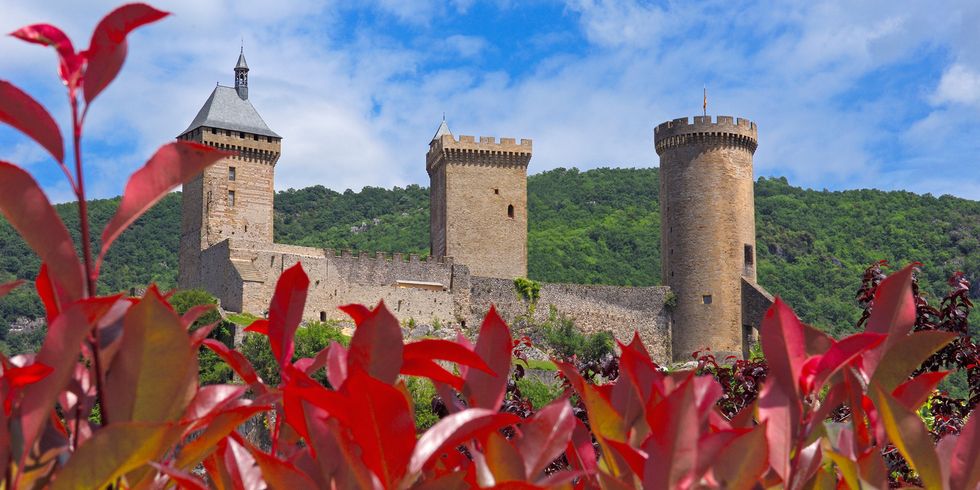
x,y
881,94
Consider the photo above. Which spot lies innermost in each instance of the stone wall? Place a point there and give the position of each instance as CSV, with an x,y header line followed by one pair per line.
x,y
617,309
410,287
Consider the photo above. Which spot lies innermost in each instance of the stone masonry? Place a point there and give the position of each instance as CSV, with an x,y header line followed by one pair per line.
x,y
478,229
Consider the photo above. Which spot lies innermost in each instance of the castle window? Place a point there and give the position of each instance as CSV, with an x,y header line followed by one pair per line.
x,y
241,134
510,211
269,138
214,130
496,191
323,316
231,198
255,137
748,255
227,132
706,299
231,173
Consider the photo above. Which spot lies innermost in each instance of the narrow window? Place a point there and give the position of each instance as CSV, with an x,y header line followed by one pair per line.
x,y
269,138
706,299
231,198
510,211
231,173
214,130
227,132
241,134
323,316
246,228
748,255
496,191
255,137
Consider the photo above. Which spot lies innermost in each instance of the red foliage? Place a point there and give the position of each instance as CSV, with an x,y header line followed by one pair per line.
x,y
743,425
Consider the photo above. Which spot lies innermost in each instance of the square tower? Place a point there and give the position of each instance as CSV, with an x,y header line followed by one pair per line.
x,y
232,198
478,202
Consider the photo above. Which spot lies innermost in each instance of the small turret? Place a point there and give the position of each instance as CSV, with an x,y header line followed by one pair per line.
x,y
241,76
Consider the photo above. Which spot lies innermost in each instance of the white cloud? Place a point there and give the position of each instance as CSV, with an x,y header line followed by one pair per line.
x,y
959,85
360,110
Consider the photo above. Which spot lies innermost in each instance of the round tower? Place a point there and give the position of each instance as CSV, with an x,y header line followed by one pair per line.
x,y
707,230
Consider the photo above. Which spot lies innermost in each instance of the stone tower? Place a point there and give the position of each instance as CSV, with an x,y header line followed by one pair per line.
x,y
708,233
478,202
233,197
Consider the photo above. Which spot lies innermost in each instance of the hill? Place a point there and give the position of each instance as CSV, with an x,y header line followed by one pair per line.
x,y
600,226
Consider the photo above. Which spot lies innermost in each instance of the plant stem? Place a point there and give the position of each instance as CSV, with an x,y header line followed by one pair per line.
x,y
87,252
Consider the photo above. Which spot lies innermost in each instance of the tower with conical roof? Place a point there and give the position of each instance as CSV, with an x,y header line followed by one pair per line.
x,y
232,198
478,202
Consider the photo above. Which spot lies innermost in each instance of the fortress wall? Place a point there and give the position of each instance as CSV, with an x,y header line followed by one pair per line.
x,y
219,278
336,280
620,310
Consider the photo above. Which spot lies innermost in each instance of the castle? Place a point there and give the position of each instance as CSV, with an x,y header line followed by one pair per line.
x,y
478,236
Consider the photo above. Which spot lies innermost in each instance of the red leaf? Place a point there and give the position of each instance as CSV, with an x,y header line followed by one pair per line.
x,y
70,63
46,291
906,430
27,209
259,326
172,165
776,411
235,359
10,286
455,429
673,443
19,377
580,452
894,307
193,314
60,351
905,354
430,369
964,470
445,350
199,334
24,113
784,345
635,458
275,472
286,311
642,372
494,345
742,462
183,479
210,399
503,462
818,369
336,365
545,436
385,428
219,426
107,50
358,313
376,347
914,392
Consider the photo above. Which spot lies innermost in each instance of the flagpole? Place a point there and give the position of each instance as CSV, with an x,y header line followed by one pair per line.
x,y
704,107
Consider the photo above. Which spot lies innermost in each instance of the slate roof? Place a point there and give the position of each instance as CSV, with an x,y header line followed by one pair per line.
x,y
224,109
443,129
241,60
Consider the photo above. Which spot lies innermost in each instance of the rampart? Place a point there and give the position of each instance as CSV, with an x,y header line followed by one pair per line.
x,y
487,151
724,130
618,309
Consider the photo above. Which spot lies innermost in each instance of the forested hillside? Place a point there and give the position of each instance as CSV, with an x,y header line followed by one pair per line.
x,y
599,226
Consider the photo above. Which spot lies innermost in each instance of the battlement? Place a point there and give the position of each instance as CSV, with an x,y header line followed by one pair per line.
x,y
485,151
723,130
